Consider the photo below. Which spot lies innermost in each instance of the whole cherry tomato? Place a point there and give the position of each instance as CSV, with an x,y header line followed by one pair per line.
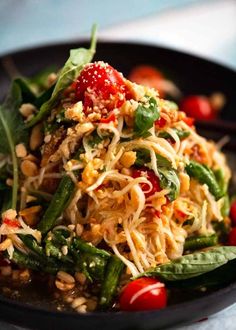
x,y
143,294
198,107
232,237
100,84
151,176
233,213
149,76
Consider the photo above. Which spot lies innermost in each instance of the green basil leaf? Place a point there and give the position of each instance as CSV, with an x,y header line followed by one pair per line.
x,y
27,94
193,265
12,131
44,97
145,116
72,68
218,277
143,158
94,139
169,180
181,134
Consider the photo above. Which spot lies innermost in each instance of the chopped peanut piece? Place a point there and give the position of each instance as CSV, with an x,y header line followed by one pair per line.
x,y
36,138
27,109
20,150
90,172
29,168
128,158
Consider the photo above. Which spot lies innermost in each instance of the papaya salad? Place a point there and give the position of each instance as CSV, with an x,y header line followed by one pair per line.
x,y
108,192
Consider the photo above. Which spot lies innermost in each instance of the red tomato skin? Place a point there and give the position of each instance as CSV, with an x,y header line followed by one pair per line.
x,y
155,298
151,176
233,213
198,107
160,123
100,81
232,237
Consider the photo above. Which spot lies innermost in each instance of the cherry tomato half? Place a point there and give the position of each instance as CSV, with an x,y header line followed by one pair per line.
x,y
198,107
233,213
143,294
232,237
149,76
151,176
99,82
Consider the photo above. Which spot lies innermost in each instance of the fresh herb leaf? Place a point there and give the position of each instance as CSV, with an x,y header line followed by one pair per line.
x,y
193,265
72,68
218,277
169,180
94,139
12,132
181,134
145,116
204,175
143,158
26,93
44,97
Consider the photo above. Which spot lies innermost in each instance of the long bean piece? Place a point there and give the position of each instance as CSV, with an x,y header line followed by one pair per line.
x,y
57,205
200,242
205,176
109,285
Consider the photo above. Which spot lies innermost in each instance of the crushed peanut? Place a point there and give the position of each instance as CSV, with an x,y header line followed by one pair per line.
x,y
27,109
28,168
128,158
20,150
36,137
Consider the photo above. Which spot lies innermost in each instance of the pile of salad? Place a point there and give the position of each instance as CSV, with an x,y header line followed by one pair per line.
x,y
108,193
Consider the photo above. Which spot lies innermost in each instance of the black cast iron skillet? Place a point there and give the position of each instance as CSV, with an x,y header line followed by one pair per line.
x,y
192,75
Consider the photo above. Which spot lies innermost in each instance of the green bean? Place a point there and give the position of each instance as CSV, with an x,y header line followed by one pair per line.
x,y
109,285
219,175
57,205
25,260
30,242
82,246
54,251
204,175
225,209
200,242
